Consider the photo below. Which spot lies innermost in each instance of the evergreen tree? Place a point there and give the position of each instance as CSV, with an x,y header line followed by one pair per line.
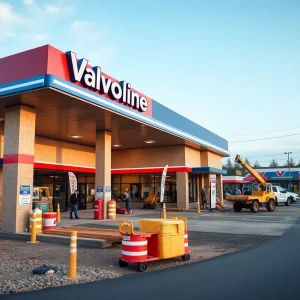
x,y
247,161
298,164
273,163
292,162
228,163
256,165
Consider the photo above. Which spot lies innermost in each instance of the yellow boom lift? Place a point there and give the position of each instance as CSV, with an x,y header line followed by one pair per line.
x,y
262,193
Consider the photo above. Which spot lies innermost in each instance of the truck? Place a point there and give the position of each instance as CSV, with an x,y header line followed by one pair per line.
x,y
261,194
282,195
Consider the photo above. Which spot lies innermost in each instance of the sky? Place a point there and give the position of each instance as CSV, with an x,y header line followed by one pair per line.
x,y
231,66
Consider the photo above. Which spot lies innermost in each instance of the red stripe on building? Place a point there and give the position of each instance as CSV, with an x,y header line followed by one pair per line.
x,y
59,167
18,159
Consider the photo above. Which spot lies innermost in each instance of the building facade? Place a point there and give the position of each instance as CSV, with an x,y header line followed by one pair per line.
x,y
281,176
58,115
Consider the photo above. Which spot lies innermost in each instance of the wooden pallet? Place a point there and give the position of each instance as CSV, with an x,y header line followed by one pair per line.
x,y
175,209
112,235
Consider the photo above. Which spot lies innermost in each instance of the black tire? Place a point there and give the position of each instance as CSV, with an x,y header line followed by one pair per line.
x,y
154,205
237,207
271,205
123,263
186,257
142,267
254,206
288,201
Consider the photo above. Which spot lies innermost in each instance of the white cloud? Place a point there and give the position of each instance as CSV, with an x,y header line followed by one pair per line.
x,y
9,21
36,37
28,2
58,9
51,8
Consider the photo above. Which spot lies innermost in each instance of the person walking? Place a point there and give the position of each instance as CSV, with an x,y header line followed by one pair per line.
x,y
127,199
203,198
74,201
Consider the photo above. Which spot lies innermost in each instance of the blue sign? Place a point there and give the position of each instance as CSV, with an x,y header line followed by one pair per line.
x,y
24,195
276,175
99,194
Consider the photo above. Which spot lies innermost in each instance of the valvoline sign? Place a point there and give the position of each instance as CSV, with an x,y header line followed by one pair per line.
x,y
276,175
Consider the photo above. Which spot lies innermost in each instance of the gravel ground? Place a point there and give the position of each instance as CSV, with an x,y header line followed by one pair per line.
x,y
18,259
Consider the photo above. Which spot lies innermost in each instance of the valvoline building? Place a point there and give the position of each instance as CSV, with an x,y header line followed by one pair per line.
x,y
66,123
280,176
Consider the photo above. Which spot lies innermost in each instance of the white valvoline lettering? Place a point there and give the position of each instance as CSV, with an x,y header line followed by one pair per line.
x,y
90,78
93,79
143,104
115,91
105,85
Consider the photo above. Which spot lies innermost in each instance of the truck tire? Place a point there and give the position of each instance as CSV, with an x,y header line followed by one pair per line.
x,y
288,201
271,205
254,206
237,207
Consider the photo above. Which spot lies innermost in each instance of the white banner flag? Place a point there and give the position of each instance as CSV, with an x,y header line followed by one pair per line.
x,y
162,185
73,182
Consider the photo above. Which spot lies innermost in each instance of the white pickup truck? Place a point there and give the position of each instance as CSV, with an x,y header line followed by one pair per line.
x,y
282,196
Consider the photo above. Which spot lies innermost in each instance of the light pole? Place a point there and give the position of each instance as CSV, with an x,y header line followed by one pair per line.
x,y
288,153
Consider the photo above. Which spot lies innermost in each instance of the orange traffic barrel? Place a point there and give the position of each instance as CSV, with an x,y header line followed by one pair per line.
x,y
134,248
112,209
49,220
38,219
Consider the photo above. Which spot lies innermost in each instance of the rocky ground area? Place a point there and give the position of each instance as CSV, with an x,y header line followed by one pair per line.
x,y
18,259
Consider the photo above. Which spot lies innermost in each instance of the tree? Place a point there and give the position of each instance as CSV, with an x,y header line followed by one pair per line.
x,y
273,163
298,164
228,163
292,163
256,165
247,161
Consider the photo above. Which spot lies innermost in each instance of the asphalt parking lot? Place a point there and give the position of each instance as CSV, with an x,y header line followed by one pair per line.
x,y
220,222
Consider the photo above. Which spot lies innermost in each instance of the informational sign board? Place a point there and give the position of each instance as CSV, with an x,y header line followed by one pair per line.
x,y
213,193
24,195
108,192
162,185
99,195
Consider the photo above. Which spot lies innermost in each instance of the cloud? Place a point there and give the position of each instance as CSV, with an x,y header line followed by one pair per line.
x,y
51,9
9,21
58,9
28,2
36,37
88,29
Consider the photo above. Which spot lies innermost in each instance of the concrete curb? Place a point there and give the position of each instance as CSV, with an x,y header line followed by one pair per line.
x,y
64,240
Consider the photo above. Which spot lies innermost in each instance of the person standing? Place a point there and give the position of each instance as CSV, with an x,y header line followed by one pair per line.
x,y
74,201
203,197
127,199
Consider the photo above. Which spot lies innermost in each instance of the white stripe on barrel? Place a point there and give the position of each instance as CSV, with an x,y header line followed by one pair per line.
x,y
134,248
49,220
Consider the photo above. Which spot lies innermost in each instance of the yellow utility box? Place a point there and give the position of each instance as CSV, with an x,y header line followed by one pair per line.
x,y
170,235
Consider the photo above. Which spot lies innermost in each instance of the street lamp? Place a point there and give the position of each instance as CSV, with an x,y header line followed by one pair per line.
x,y
288,153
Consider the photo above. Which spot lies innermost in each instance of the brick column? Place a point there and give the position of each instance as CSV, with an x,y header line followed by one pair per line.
x,y
1,168
182,181
220,187
207,187
18,158
103,164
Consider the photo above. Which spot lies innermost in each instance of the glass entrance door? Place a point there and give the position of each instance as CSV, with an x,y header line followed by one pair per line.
x,y
82,195
60,196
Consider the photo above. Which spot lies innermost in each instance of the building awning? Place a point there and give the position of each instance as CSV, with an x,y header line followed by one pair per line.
x,y
208,170
235,181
